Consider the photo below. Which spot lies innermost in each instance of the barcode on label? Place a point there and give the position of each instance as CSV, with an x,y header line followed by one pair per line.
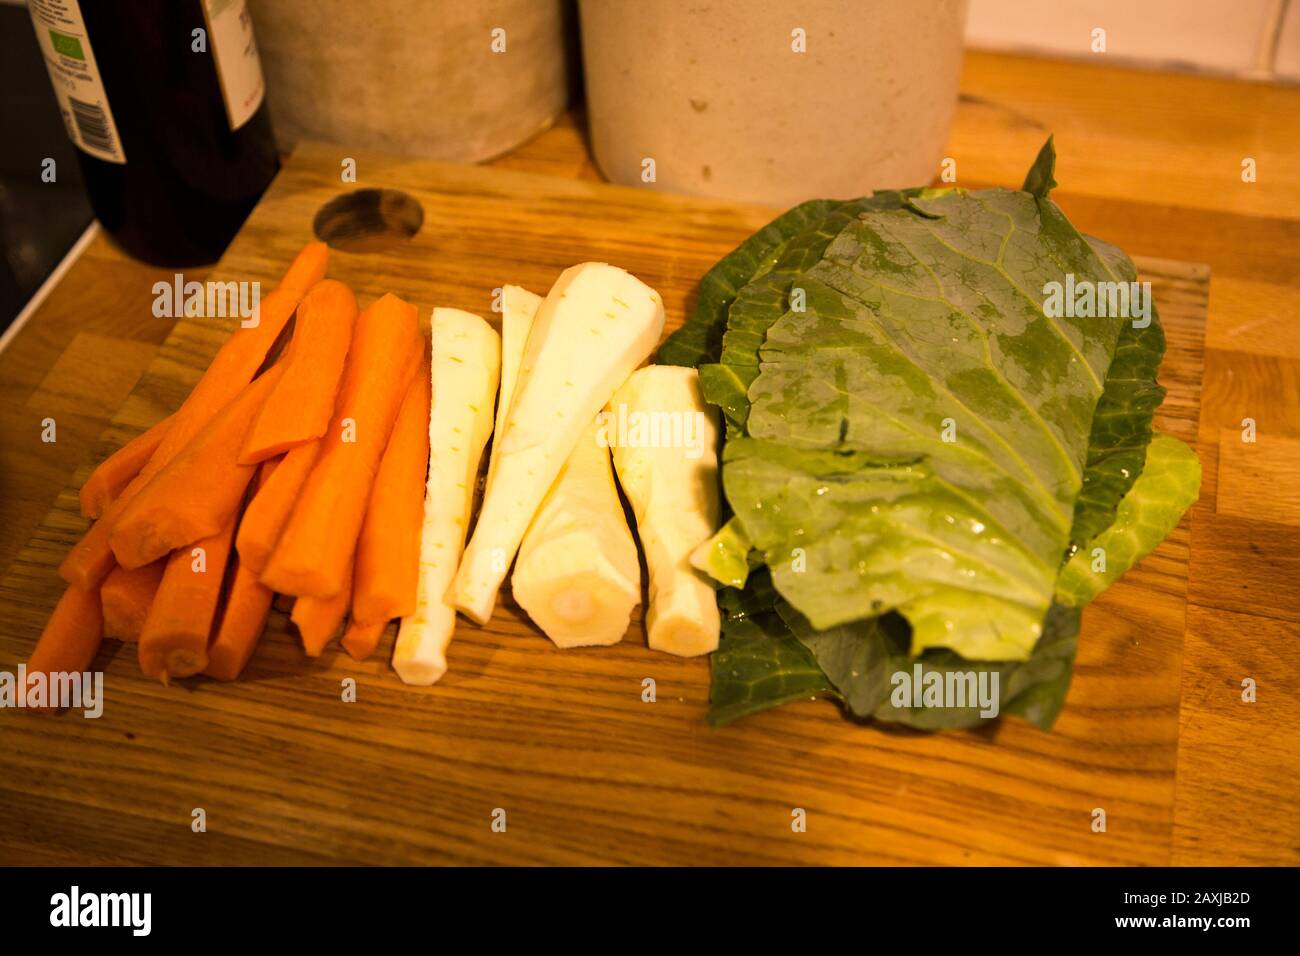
x,y
92,125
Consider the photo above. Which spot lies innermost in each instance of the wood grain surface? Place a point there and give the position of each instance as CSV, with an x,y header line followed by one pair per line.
x,y
1148,160
585,769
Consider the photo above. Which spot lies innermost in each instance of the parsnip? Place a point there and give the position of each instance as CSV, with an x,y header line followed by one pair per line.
x,y
466,369
665,452
518,309
577,574
595,326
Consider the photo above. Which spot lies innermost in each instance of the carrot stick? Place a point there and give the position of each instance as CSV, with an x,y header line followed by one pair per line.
x,y
307,268
388,549
240,356
126,597
233,367
266,514
116,471
90,559
361,640
71,637
316,547
242,616
318,620
174,639
242,621
300,408
199,492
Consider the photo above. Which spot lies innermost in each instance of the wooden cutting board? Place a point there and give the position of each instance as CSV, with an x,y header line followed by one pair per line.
x,y
585,770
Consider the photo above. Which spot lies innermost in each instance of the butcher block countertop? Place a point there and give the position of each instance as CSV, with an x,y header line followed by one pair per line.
x,y
1149,161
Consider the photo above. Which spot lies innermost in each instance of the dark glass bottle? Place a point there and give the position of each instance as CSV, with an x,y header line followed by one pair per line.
x,y
165,100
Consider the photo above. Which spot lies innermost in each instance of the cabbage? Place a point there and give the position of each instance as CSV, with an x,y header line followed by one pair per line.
x,y
917,444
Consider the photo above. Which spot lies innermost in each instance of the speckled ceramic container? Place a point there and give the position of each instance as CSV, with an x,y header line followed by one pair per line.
x,y
431,78
771,101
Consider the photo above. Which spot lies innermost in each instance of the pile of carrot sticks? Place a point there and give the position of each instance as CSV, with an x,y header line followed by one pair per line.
x,y
300,474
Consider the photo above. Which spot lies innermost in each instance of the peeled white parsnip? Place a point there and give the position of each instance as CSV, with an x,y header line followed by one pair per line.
x,y
665,452
518,309
595,326
466,369
577,574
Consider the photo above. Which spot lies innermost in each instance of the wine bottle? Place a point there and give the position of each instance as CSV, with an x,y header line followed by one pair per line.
x,y
165,101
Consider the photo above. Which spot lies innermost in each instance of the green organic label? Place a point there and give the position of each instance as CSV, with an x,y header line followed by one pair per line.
x,y
66,45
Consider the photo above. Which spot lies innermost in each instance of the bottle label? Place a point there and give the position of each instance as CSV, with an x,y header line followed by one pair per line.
x,y
71,62
239,68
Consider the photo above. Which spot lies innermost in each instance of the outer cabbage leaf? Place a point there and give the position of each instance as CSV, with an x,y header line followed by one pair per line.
x,y
770,655
699,341
741,296
860,660
759,663
762,300
1121,425
1169,483
1041,178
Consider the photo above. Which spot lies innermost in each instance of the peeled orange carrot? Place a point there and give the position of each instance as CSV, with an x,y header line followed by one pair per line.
x,y
174,639
117,470
299,408
242,616
314,553
388,549
71,637
199,492
126,596
307,268
318,620
266,514
361,640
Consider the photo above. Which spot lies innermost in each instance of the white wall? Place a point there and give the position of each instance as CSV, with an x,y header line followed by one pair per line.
x,y
1258,38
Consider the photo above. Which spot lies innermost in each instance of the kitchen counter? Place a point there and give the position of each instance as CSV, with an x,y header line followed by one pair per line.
x,y
1150,161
